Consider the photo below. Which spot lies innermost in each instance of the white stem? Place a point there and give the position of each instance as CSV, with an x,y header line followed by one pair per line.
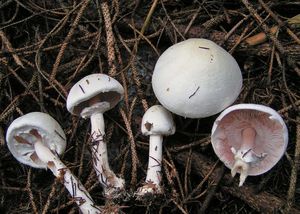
x,y
243,168
109,181
155,159
244,156
248,139
152,185
72,184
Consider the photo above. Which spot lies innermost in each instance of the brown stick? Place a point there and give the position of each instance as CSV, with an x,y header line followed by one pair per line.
x,y
293,178
134,157
291,62
67,40
30,194
9,47
110,39
262,202
260,37
278,20
2,142
218,37
212,190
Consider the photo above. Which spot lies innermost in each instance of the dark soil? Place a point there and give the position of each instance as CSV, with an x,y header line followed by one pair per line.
x,y
46,46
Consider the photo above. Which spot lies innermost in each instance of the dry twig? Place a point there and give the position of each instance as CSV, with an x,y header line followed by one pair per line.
x,y
290,201
261,202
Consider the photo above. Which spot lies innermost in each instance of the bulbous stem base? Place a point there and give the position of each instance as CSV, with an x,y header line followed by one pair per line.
x,y
152,184
245,156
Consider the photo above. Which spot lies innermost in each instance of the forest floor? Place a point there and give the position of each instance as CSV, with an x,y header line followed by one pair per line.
x,y
47,46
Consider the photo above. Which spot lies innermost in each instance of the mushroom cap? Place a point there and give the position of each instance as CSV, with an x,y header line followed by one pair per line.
x,y
98,90
52,134
196,78
158,121
271,135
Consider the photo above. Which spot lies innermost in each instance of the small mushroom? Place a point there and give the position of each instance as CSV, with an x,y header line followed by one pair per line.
x,y
249,138
196,78
156,123
90,97
36,139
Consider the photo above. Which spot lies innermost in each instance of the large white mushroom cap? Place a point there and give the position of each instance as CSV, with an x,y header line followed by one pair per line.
x,y
19,130
99,89
158,121
196,78
271,135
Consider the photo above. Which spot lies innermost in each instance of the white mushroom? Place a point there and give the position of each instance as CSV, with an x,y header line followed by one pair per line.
x,y
90,98
36,139
196,78
156,123
249,138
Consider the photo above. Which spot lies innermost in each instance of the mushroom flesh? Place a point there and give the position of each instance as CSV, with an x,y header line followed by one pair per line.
x,y
36,139
156,123
249,138
196,78
90,98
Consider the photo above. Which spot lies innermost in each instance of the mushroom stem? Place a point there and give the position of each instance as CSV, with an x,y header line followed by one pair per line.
x,y
153,178
109,181
243,168
248,138
72,184
155,159
245,155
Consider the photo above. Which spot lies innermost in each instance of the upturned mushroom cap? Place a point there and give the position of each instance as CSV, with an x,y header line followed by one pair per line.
x,y
271,135
19,130
98,90
158,121
196,78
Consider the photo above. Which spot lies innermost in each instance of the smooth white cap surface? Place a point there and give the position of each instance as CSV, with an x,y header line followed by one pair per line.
x,y
98,90
52,133
196,78
158,121
271,135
